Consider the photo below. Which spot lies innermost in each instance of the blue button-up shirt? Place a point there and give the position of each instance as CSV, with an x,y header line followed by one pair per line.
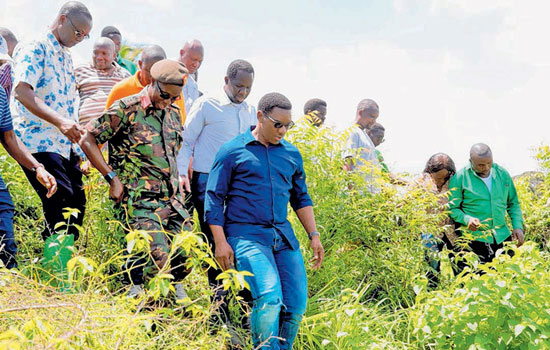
x,y
255,184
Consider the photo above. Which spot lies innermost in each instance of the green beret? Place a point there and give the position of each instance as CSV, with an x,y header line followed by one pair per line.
x,y
169,72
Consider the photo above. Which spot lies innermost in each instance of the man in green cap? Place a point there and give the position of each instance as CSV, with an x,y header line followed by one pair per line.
x,y
144,136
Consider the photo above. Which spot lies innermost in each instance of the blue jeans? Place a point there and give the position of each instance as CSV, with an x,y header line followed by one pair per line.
x,y
8,248
279,289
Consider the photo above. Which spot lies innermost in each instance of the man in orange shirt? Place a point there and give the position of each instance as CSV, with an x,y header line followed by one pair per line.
x,y
134,84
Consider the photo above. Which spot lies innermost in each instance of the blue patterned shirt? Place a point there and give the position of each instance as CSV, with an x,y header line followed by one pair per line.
x,y
47,66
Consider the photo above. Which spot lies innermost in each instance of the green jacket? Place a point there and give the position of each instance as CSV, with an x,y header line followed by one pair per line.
x,y
127,64
470,198
383,165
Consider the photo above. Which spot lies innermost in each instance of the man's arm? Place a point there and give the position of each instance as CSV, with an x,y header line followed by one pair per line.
x,y
514,211
21,154
307,219
455,202
216,191
24,93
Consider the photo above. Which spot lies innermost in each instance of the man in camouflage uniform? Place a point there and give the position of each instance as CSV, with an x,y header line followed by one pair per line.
x,y
143,132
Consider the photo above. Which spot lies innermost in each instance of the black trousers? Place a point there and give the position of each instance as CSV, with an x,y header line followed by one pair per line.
x,y
70,191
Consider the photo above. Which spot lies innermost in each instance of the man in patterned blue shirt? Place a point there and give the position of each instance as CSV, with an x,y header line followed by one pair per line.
x,y
46,122
17,150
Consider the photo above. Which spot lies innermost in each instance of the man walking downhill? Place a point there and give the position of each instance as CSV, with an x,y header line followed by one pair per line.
x,y
144,135
254,178
45,121
482,193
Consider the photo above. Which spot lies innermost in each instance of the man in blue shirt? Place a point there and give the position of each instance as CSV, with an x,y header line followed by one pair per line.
x,y
254,177
21,154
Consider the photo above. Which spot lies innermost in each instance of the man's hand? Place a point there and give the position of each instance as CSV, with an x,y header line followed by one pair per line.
x,y
47,180
225,256
184,185
318,252
474,224
85,167
72,130
116,190
517,235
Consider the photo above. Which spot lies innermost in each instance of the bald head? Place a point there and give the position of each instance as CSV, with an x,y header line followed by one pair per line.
x,y
75,9
481,159
10,38
481,150
73,23
191,55
104,43
150,55
367,113
104,54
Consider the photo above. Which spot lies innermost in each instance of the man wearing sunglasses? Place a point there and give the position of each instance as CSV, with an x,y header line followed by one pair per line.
x,y
45,120
143,132
254,178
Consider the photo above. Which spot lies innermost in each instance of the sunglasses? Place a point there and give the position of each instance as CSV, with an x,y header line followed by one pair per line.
x,y
277,124
166,96
79,35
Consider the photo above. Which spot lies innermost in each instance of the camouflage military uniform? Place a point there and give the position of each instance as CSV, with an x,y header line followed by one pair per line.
x,y
143,144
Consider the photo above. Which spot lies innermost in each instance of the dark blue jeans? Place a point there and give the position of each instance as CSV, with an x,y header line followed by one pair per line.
x,y
279,289
8,248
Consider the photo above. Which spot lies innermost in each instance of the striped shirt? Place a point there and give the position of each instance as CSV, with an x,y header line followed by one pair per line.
x,y
94,86
5,78
5,122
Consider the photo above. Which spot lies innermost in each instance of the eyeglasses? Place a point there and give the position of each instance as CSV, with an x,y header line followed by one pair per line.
x,y
79,35
166,96
277,124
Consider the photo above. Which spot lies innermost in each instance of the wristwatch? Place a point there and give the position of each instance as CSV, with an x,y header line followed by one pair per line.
x,y
109,176
312,234
35,168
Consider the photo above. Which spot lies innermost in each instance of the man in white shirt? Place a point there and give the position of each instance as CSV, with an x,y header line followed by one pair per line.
x,y
361,149
211,123
191,55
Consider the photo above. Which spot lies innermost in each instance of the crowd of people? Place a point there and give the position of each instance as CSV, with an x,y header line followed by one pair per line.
x,y
172,150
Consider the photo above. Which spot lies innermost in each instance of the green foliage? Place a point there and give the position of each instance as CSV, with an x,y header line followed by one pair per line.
x,y
370,293
504,306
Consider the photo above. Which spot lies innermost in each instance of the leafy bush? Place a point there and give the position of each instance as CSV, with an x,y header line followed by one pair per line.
x,y
504,306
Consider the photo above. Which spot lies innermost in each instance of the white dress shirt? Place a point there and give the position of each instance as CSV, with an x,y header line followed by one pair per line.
x,y
190,93
211,123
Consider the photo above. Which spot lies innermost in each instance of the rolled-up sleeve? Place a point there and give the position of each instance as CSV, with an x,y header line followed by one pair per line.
x,y
299,198
217,188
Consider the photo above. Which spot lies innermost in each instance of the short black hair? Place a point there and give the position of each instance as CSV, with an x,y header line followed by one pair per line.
x,y
481,150
377,127
110,30
314,104
440,161
236,66
274,100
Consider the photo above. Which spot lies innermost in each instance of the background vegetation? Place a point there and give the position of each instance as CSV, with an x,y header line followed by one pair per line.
x,y
370,294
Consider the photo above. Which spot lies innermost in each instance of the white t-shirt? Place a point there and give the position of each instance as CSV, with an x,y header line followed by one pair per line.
x,y
488,180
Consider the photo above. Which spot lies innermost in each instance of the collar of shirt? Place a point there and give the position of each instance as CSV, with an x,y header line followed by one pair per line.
x,y
52,41
225,101
145,99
